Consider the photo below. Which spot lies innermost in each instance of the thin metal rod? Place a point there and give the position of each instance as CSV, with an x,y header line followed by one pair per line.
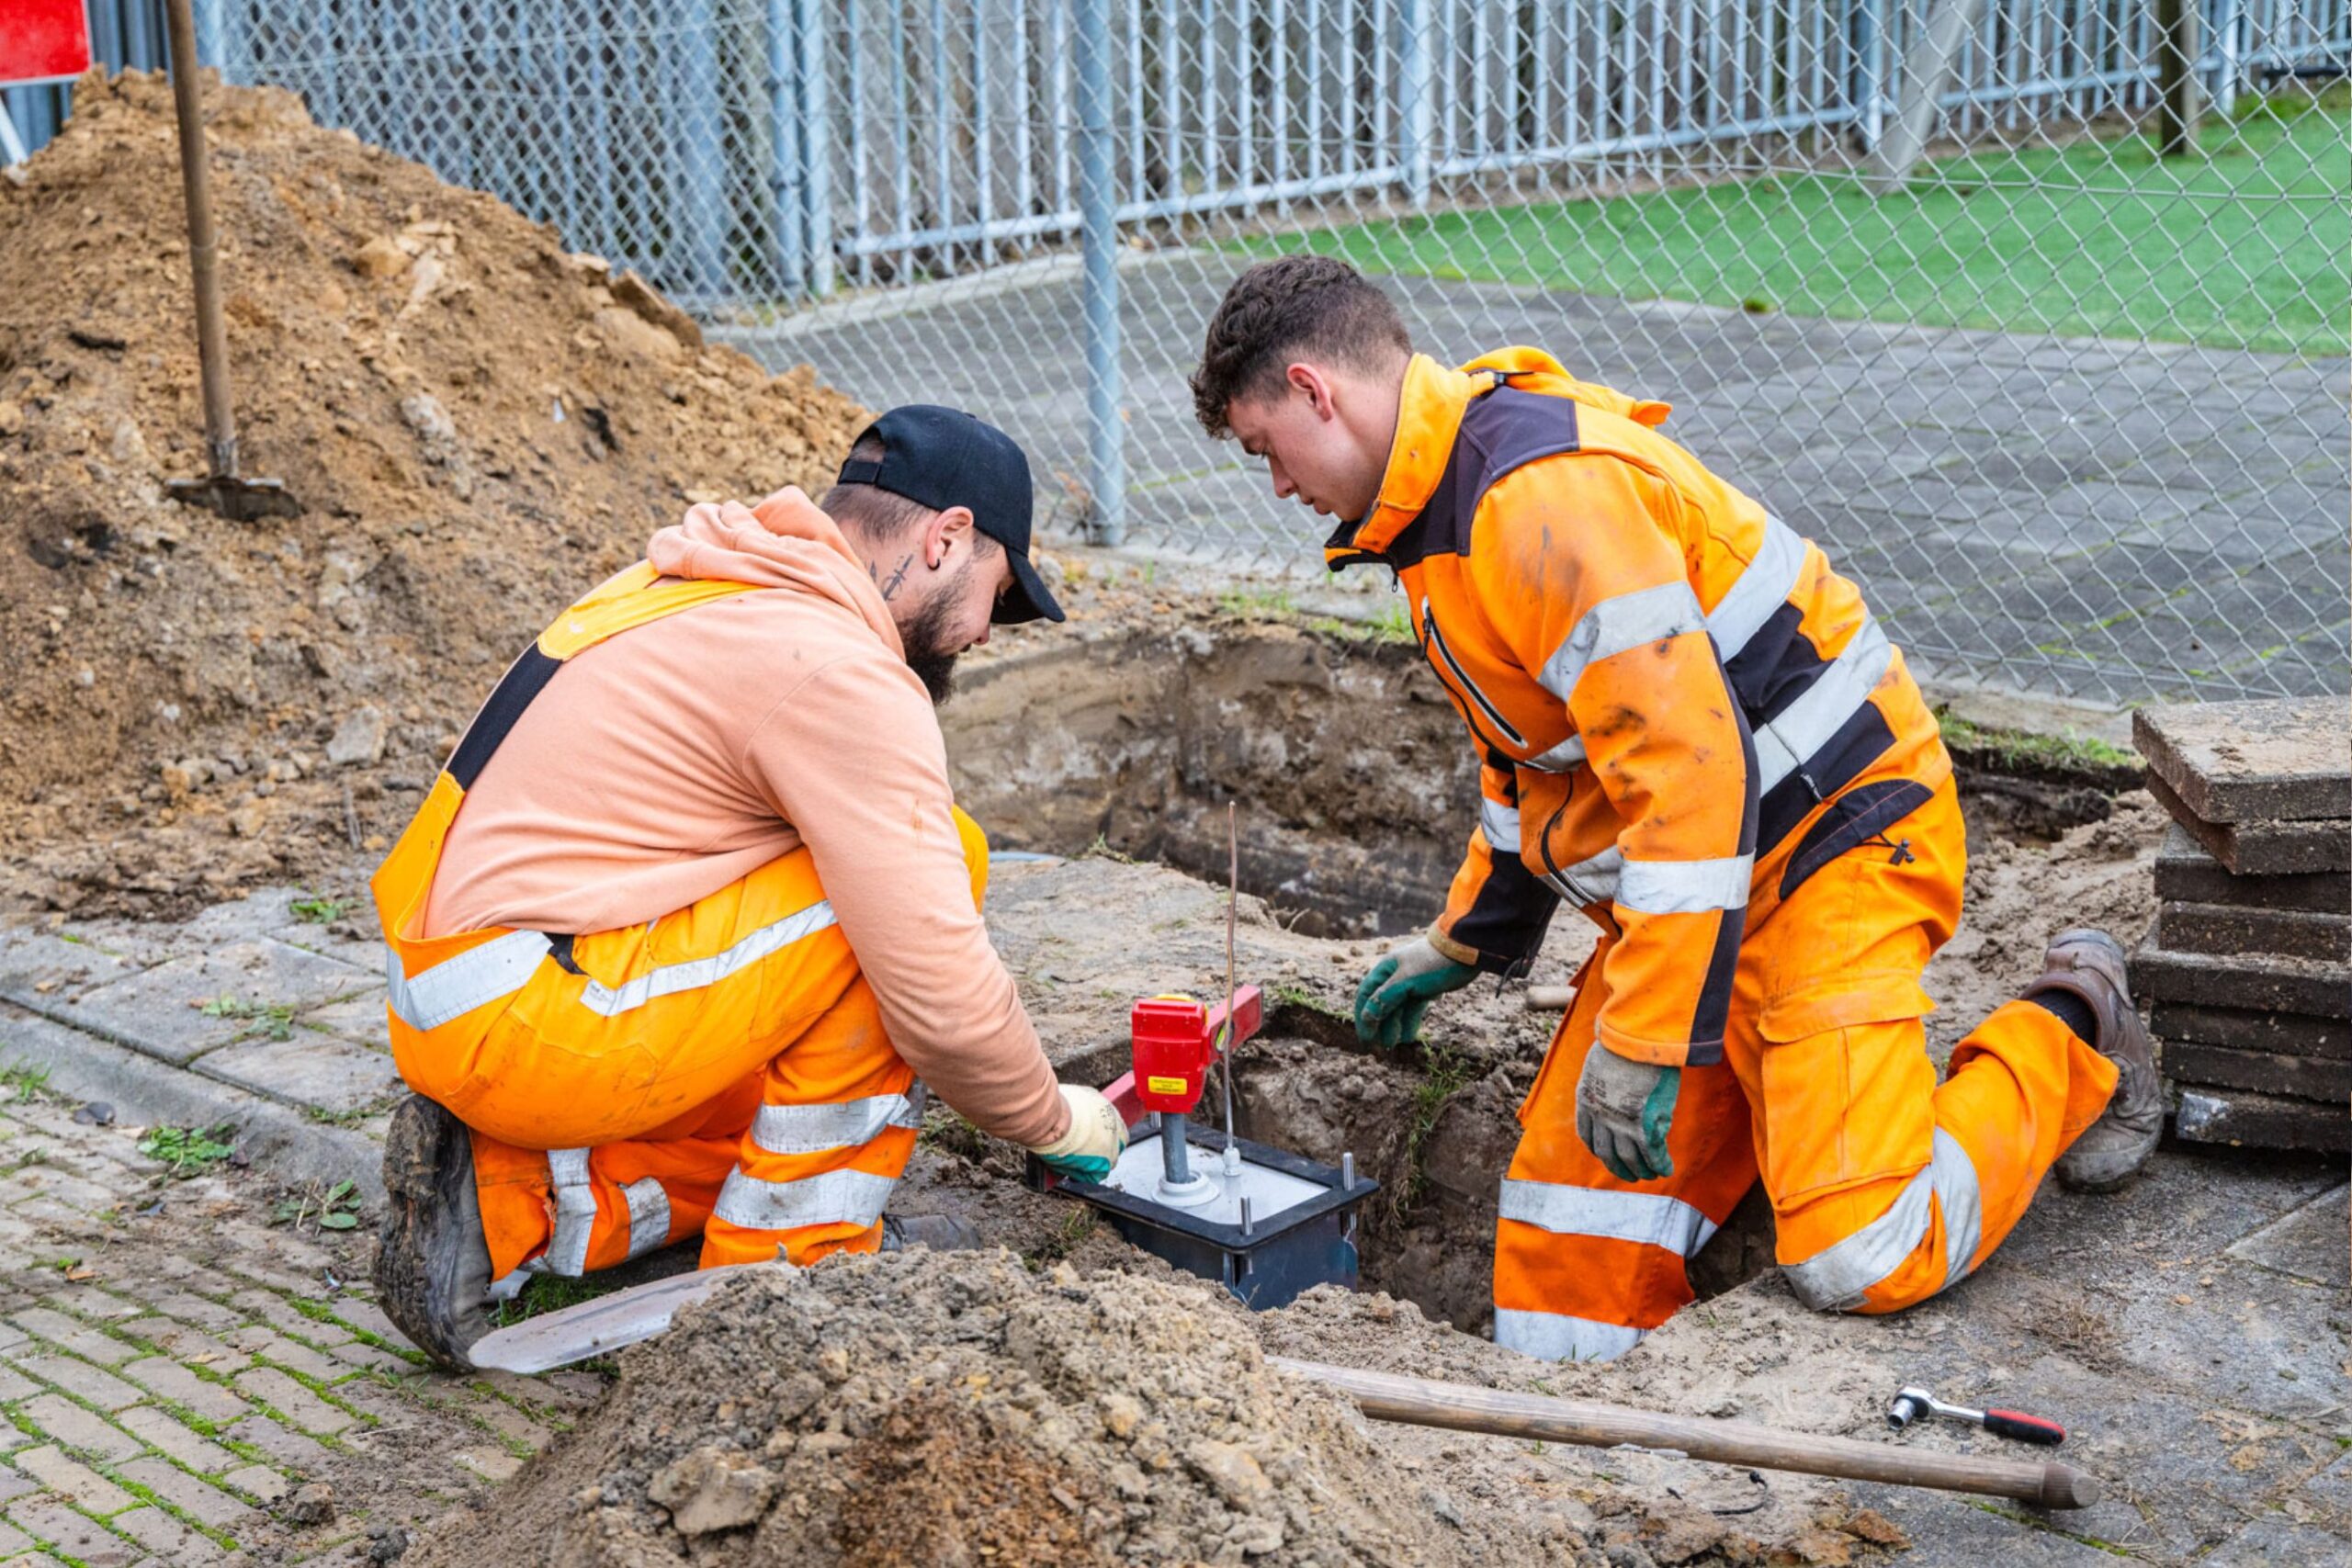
x,y
203,245
1232,906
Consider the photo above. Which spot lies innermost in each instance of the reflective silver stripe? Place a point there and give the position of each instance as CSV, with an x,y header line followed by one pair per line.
x,y
1806,725
1568,756
1500,825
575,1212
1556,1336
1685,886
695,974
1648,614
814,1129
1763,586
1650,1218
830,1197
454,986
1834,1279
1954,1179
1590,881
649,1216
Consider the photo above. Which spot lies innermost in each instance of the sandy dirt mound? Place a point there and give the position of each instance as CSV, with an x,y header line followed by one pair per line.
x,y
957,1408
478,425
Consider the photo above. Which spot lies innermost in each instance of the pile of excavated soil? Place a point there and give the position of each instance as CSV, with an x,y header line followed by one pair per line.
x,y
477,425
957,1408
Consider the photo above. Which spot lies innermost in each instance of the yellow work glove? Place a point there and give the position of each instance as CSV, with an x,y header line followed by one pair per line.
x,y
1097,1137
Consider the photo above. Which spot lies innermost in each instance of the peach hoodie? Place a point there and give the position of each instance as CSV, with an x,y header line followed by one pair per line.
x,y
666,762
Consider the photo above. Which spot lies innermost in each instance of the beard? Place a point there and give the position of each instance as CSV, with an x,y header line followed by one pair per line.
x,y
926,634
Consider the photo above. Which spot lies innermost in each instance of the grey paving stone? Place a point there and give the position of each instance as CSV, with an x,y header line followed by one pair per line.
x,y
72,1335
2266,1543
162,1430
366,1315
260,1481
2251,849
80,1379
189,1347
71,1479
14,1540
92,1301
2187,1061
313,1070
2186,873
2242,980
269,1386
168,1380
2308,1244
91,1544
48,969
2283,759
2225,930
199,1312
280,1443
186,1492
62,1421
277,1312
159,1011
167,1538
361,1018
272,1346
2209,1114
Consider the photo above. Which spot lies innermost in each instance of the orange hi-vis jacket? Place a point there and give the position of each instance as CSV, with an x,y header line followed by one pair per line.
x,y
1679,709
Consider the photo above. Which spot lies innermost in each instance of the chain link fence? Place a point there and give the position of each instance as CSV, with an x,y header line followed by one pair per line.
x,y
2033,311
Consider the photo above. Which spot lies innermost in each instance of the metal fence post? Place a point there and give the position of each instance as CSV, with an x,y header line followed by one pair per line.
x,y
784,147
1420,72
1926,71
817,146
1870,71
2179,48
1098,219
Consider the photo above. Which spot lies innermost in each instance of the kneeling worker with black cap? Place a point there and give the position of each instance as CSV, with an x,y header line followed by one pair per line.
x,y
688,929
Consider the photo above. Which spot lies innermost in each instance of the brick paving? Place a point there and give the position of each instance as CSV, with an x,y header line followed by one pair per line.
x,y
173,1369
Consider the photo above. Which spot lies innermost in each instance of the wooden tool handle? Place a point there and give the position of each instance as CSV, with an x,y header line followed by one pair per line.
x,y
1547,999
1425,1401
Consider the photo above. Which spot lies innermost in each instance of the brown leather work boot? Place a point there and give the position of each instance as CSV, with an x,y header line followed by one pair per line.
x,y
432,1256
2089,964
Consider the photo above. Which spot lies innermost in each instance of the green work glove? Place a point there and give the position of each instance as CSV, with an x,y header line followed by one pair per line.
x,y
1399,989
1623,1110
1096,1137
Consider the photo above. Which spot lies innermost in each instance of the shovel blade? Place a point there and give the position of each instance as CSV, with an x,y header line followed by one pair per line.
x,y
598,1327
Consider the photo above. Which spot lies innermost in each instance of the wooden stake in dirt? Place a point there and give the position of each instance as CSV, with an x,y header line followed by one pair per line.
x,y
1462,1408
239,499
1232,906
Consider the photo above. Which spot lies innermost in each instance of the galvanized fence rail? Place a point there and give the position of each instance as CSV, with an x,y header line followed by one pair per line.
x,y
2075,414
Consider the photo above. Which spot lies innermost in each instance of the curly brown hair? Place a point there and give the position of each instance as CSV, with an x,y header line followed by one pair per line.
x,y
1314,306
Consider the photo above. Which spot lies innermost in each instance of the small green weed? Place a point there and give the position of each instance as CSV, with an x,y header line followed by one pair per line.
x,y
271,1020
319,910
188,1151
25,1080
334,1208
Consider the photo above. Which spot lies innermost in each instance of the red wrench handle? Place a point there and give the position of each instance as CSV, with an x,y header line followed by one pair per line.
x,y
2024,1428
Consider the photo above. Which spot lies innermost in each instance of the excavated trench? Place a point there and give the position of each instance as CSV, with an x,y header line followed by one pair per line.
x,y
1352,786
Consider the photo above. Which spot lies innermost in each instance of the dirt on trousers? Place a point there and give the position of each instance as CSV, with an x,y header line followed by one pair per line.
x,y
477,425
961,1409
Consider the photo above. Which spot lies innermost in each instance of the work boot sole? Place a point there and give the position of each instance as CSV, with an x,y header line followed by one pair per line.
x,y
432,1261
2113,1149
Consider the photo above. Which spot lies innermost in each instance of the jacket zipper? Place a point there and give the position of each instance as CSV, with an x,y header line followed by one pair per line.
x,y
1436,640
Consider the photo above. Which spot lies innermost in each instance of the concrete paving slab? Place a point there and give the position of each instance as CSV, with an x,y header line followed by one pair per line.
x,y
2284,759
2266,1543
2222,929
2188,1063
162,1011
2310,1244
2288,1033
361,1018
47,967
2185,873
2245,980
313,1070
2210,1115
2263,848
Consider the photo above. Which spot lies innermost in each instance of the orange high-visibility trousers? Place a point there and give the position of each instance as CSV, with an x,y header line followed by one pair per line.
x,y
1886,1186
722,1070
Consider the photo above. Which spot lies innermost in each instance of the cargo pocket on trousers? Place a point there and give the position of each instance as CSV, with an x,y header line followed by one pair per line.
x,y
1833,1113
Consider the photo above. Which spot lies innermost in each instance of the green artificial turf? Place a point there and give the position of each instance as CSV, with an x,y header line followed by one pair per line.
x,y
2247,245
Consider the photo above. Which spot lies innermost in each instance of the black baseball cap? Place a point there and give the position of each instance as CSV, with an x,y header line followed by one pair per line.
x,y
941,457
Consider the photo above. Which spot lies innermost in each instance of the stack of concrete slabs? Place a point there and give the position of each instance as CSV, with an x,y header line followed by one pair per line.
x,y
2248,967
